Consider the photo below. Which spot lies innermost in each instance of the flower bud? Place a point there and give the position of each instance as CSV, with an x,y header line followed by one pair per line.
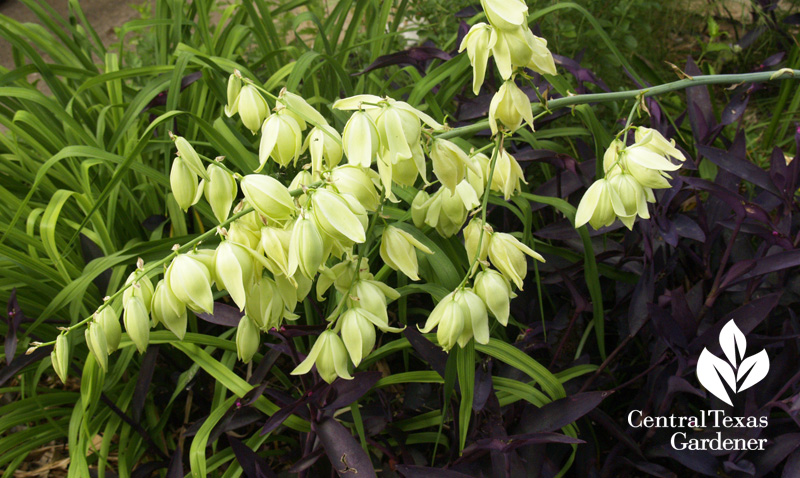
x,y
220,191
507,175
360,140
505,14
281,140
60,357
268,196
142,287
325,147
518,47
372,295
510,106
612,162
252,107
476,319
508,256
190,281
234,87
397,251
137,322
183,183
472,235
248,338
495,291
300,109
597,205
264,304
358,334
448,316
109,319
449,163
330,356
419,208
357,182
96,341
335,217
478,42
306,249
189,156
234,270
275,243
168,310
657,143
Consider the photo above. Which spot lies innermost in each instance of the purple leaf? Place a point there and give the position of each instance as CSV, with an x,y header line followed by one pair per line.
x,y
348,391
651,468
307,461
175,469
562,412
509,443
792,467
425,472
281,415
783,445
734,110
19,363
699,461
740,167
483,385
345,454
223,315
143,382
417,56
774,263
253,465
747,317
433,355
642,295
14,317
698,100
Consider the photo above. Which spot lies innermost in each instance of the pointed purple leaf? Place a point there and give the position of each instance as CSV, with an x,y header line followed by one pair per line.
x,y
344,452
223,315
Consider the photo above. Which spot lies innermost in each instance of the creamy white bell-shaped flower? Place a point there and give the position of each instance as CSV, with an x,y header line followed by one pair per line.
x,y
109,319
265,304
275,243
632,199
252,107
169,310
268,196
330,356
358,334
184,185
448,318
306,248
450,163
507,254
478,42
335,216
96,342
398,251
510,106
496,293
358,182
234,87
505,14
360,139
190,281
597,205
137,322
472,236
324,144
141,286
248,339
220,191
190,157
507,175
281,140
234,270
656,142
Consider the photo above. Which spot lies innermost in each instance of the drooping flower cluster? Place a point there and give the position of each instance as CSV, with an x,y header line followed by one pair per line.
x,y
631,174
281,243
511,43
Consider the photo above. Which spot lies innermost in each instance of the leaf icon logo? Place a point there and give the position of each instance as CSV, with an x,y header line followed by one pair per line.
x,y
736,374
